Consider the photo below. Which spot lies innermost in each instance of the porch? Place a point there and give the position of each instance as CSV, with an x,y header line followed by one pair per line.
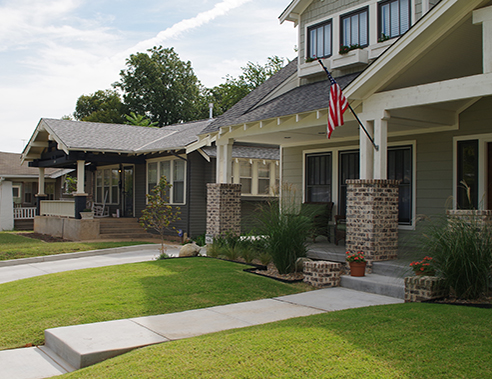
x,y
24,218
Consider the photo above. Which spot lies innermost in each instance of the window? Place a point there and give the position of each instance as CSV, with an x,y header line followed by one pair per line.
x,y
349,169
175,172
355,28
400,168
320,40
245,177
257,177
318,177
394,18
467,178
263,178
107,186
16,193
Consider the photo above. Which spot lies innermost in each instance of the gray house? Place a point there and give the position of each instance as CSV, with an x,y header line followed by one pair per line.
x,y
419,75
117,165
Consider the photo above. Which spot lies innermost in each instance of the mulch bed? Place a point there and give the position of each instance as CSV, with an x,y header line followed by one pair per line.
x,y
43,237
484,301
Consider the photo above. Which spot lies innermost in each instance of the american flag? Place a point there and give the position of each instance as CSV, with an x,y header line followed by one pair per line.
x,y
338,106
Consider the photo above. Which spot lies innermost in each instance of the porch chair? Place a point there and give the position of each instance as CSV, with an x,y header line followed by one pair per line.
x,y
321,213
340,228
100,210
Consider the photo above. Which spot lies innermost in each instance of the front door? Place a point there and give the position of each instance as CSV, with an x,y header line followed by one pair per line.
x,y
127,191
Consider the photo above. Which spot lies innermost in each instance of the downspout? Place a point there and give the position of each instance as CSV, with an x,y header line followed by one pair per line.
x,y
188,190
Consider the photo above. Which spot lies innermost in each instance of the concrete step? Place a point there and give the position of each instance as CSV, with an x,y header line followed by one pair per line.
x,y
56,358
395,269
377,284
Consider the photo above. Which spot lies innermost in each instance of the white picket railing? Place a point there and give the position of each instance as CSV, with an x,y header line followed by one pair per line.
x,y
24,213
63,208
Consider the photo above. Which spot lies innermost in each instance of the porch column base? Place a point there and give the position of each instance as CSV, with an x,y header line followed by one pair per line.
x,y
372,218
223,209
39,198
80,203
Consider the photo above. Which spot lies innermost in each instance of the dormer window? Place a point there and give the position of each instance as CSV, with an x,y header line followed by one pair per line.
x,y
394,18
320,40
355,28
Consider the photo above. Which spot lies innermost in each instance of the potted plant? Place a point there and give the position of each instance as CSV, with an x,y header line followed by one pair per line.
x,y
423,267
86,214
357,263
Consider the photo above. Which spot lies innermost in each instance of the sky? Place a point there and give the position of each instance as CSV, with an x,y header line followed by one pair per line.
x,y
53,51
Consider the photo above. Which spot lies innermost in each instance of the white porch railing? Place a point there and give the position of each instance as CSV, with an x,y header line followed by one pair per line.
x,y
24,213
63,208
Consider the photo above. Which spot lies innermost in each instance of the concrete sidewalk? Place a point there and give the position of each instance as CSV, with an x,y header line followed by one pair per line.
x,y
69,348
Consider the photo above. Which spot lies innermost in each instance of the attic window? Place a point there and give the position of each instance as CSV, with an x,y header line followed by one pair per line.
x,y
355,28
394,18
320,40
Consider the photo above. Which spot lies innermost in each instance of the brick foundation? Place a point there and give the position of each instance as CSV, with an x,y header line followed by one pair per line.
x,y
421,288
322,273
372,218
223,209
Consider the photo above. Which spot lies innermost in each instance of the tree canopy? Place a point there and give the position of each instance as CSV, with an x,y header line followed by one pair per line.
x,y
101,106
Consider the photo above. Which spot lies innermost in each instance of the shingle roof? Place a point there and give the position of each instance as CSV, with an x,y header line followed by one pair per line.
x,y
78,135
301,99
248,152
10,166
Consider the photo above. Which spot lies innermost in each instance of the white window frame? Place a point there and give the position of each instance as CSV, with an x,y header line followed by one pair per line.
x,y
110,199
236,178
170,179
483,140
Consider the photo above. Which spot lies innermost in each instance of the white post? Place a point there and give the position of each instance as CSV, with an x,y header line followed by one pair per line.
x,y
381,140
80,177
224,160
366,151
484,16
41,181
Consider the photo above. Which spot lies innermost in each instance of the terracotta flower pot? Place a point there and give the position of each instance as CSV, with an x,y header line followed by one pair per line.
x,y
357,268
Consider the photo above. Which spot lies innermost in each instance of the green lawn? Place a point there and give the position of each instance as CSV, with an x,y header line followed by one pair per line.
x,y
393,341
30,306
14,246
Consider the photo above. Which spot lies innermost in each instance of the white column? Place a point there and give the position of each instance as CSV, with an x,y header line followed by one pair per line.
x,y
484,16
80,176
236,172
273,178
41,181
366,151
224,160
381,140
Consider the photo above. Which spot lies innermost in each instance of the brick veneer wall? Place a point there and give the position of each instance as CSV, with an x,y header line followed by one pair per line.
x,y
223,208
322,273
478,216
372,218
421,288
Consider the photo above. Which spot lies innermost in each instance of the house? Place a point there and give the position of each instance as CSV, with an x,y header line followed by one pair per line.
x,y
117,165
418,74
18,189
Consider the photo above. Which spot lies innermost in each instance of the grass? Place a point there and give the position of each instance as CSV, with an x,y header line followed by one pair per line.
x,y
14,246
30,306
394,341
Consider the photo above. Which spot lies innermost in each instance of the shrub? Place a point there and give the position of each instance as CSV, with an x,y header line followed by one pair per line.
x,y
462,255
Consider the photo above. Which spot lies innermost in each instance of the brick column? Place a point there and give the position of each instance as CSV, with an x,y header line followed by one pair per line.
x,y
372,218
223,208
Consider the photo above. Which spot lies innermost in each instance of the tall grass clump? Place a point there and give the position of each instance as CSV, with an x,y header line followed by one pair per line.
x,y
461,249
286,229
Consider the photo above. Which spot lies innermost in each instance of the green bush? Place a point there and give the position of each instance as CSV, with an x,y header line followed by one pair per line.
x,y
286,231
462,254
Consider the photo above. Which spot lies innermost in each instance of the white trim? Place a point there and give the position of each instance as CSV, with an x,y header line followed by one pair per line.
x,y
483,140
109,200
170,180
236,177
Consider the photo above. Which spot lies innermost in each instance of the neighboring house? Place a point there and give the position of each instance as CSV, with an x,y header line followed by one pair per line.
x,y
18,189
419,76
117,165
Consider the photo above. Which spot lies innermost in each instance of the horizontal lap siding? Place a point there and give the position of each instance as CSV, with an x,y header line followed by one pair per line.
x,y
200,176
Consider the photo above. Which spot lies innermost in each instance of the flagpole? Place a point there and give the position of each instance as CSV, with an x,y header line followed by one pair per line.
x,y
351,109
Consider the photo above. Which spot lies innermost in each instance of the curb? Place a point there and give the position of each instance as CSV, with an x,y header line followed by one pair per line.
x,y
78,254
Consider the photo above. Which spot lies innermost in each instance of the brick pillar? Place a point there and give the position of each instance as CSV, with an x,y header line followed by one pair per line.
x,y
372,218
223,208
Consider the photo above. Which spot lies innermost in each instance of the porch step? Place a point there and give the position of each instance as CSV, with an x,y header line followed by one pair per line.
x,y
121,228
395,269
374,283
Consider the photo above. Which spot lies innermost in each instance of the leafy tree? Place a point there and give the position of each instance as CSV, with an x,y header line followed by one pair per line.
x,y
138,120
161,86
225,95
158,214
101,106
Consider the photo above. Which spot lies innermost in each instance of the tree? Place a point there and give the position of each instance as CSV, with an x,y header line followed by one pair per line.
x,y
101,106
138,120
225,95
158,214
160,86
